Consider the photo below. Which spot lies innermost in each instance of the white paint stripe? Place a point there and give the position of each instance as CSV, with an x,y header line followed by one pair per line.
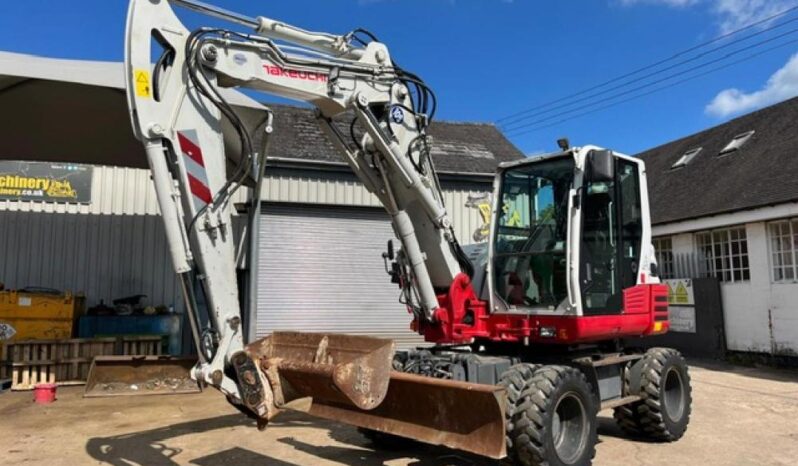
x,y
196,170
191,135
198,203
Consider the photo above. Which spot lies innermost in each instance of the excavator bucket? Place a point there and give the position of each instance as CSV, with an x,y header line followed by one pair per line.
x,y
349,379
140,375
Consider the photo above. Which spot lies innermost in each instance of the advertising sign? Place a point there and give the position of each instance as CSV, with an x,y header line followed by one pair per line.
x,y
45,182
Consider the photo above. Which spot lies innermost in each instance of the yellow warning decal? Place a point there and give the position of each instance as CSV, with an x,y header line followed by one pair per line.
x,y
680,296
142,80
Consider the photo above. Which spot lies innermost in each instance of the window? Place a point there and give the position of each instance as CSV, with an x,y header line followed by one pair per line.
x,y
736,143
783,245
663,249
725,253
531,233
631,221
686,158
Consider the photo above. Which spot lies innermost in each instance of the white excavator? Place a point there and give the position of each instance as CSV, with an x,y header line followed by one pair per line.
x,y
530,332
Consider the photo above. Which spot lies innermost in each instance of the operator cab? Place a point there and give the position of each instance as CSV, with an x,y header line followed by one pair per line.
x,y
568,233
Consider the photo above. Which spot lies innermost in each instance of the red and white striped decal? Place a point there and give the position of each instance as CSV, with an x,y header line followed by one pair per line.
x,y
195,168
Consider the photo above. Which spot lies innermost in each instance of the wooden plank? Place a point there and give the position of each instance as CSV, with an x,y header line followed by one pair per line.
x,y
25,377
74,372
31,362
70,383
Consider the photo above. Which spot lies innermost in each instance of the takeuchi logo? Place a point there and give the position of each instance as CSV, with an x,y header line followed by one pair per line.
x,y
274,70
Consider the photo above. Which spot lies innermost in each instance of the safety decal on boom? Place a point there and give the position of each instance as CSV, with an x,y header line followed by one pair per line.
x,y
142,80
195,168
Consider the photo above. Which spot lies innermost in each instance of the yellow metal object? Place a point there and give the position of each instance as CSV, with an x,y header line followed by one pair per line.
x,y
37,316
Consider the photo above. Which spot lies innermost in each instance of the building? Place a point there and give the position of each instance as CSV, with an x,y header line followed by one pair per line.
x,y
725,204
322,235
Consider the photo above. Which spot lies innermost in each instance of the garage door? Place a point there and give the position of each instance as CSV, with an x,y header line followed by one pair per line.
x,y
321,270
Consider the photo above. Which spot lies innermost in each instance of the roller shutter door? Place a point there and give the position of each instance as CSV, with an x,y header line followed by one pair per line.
x,y
321,270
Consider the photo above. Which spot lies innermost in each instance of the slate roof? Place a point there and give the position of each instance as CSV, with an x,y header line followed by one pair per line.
x,y
763,172
456,147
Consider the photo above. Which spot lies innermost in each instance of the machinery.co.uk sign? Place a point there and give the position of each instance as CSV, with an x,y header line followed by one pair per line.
x,y
45,182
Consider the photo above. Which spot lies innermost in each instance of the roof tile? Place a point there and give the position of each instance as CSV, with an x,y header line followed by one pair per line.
x,y
763,172
456,147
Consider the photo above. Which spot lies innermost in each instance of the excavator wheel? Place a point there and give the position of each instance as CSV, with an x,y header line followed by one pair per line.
x,y
664,410
554,422
514,380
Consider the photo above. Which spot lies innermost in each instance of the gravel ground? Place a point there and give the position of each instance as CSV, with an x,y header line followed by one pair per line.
x,y
741,416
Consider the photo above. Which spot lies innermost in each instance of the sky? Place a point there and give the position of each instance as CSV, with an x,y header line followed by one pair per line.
x,y
488,60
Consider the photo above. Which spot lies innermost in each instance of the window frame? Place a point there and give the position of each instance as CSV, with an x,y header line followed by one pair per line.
x,y
665,263
736,143
686,158
792,237
720,261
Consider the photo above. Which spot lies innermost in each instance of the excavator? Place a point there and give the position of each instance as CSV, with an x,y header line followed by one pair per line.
x,y
530,333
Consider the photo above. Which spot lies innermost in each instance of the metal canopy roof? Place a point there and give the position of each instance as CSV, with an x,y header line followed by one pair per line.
x,y
74,111
58,110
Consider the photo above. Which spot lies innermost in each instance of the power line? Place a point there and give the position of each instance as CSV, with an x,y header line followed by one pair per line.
x,y
659,89
516,122
660,62
652,83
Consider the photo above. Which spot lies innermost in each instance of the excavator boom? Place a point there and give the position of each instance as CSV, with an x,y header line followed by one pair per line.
x,y
200,153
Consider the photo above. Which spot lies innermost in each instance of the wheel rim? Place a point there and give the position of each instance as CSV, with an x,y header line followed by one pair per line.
x,y
569,428
673,394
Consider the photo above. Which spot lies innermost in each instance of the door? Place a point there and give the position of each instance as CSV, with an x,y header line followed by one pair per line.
x,y
612,231
321,270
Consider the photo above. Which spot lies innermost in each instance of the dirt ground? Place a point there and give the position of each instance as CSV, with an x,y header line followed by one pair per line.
x,y
741,416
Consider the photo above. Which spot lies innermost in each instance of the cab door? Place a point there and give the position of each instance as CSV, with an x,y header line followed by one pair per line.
x,y
611,232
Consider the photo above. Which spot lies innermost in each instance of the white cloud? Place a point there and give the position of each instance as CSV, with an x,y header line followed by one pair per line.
x,y
730,14
781,86
735,14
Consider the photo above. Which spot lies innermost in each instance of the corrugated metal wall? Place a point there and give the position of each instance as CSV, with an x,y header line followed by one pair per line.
x,y
115,246
320,188
103,256
128,191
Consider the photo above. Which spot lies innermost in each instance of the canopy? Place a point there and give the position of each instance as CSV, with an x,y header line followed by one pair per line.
x,y
75,111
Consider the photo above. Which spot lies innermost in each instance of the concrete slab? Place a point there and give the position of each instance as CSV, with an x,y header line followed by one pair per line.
x,y
740,416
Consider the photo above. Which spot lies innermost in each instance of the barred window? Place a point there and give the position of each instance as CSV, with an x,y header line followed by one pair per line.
x,y
663,247
726,253
783,245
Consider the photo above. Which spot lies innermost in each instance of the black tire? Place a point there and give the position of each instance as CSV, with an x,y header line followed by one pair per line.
x,y
554,423
388,442
514,380
664,410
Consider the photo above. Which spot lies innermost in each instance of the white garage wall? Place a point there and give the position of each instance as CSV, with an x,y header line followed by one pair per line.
x,y
760,316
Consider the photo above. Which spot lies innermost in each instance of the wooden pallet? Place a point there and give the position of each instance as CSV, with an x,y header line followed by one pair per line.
x,y
66,362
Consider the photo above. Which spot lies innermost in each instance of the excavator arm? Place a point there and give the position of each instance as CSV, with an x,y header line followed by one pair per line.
x,y
201,151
